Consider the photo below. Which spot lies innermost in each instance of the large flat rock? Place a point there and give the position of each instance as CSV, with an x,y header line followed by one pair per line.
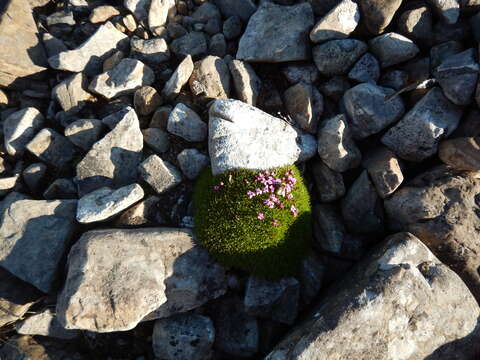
x,y
244,137
399,303
35,236
117,278
21,54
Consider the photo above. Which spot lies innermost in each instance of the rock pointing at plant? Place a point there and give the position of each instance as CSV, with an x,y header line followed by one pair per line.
x,y
394,305
244,137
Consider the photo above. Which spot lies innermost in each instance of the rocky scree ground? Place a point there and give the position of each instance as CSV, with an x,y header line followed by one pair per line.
x,y
111,110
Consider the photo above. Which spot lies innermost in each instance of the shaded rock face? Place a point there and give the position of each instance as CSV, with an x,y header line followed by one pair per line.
x,y
242,136
403,292
442,208
32,230
22,54
277,33
116,278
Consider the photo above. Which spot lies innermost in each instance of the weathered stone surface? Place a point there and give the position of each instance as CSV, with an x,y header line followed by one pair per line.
x,y
329,231
336,146
237,332
104,203
441,208
52,148
241,8
400,290
329,183
183,337
117,277
311,278
194,44
366,69
45,323
218,46
112,161
29,348
417,24
232,27
461,153
102,13
186,123
156,139
246,82
152,51
62,188
242,136
335,57
159,12
84,132
338,23
377,14
303,72
62,18
16,297
22,54
370,111
392,48
276,300
36,234
70,93
146,212
440,52
89,56
19,128
192,162
159,174
126,77
362,208
457,75
146,100
277,33
113,60
179,78
210,78
305,105
384,170
416,136
448,10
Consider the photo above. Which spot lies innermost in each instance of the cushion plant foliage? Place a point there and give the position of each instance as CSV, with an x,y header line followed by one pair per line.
x,y
255,221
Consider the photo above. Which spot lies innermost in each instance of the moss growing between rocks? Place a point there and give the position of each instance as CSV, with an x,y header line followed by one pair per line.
x,y
243,230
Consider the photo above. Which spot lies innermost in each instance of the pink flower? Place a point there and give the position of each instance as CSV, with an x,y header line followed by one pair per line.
x,y
221,183
294,210
260,216
216,187
250,194
289,196
275,223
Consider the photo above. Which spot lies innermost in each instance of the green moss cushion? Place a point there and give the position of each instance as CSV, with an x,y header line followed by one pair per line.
x,y
255,221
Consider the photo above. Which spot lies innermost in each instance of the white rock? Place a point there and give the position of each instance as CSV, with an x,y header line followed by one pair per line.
x,y
192,162
186,123
179,78
19,128
159,12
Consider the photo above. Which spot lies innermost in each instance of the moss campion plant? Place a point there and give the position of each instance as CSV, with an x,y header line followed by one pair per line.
x,y
255,221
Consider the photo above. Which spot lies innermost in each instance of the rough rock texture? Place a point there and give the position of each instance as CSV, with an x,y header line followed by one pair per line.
x,y
416,136
16,297
192,162
210,78
159,12
146,100
242,8
183,337
152,51
377,14
339,23
305,105
22,53
84,132
448,10
33,230
126,77
246,82
461,153
384,170
336,146
19,128
117,277
89,56
366,69
51,147
242,136
104,203
156,139
392,48
45,323
329,183
403,292
28,348
335,57
70,93
159,174
113,160
277,33
179,78
186,123
441,208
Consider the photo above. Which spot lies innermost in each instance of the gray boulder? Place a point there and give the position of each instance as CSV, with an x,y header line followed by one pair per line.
x,y
36,234
329,183
192,162
152,51
461,153
377,14
303,72
210,78
448,10
416,136
277,33
241,8
246,82
242,136
84,132
304,103
392,49
89,56
156,139
117,278
400,290
104,203
159,174
126,77
179,78
370,111
112,161
328,229
183,337
70,93
159,12
19,128
441,208
45,323
194,44
336,57
186,123
53,148
366,69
